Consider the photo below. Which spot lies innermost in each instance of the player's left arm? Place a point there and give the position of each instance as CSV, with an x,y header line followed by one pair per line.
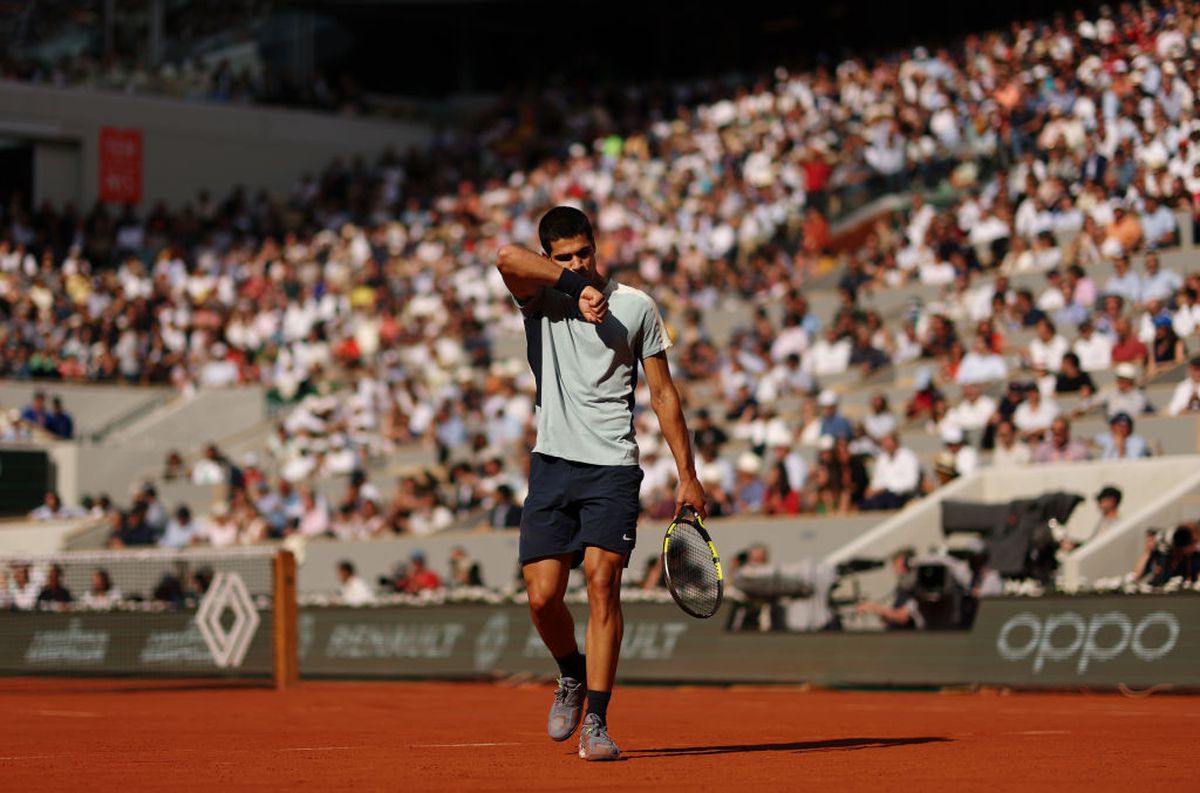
x,y
664,398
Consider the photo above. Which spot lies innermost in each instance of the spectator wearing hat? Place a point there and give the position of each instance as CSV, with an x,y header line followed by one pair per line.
x,y
749,490
221,530
1060,447
1124,396
420,577
780,452
1119,443
1166,349
1186,398
944,472
1178,559
1108,501
833,423
895,477
1009,449
965,458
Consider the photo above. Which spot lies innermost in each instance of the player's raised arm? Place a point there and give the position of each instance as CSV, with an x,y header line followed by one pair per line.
x,y
525,272
664,398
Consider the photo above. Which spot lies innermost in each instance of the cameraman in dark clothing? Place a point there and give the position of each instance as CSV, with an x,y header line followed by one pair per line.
x,y
1159,564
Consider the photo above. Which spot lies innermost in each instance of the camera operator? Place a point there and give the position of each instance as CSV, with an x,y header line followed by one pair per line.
x,y
1161,562
904,612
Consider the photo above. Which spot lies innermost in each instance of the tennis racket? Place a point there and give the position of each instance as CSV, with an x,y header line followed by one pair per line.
x,y
691,566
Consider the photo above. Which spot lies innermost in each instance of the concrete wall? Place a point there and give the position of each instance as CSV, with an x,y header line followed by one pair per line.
x,y
187,146
788,539
95,408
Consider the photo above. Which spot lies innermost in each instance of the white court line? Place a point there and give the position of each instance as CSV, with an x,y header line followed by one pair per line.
x,y
35,757
81,714
316,748
462,745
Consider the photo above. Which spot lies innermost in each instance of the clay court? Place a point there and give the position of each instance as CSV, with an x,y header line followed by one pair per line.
x,y
76,734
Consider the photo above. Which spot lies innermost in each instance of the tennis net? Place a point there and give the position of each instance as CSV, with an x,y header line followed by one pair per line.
x,y
197,613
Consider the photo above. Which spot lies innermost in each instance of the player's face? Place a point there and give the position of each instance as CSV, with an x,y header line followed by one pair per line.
x,y
575,253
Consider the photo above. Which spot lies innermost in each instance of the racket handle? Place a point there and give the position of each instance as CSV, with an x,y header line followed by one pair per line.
x,y
685,509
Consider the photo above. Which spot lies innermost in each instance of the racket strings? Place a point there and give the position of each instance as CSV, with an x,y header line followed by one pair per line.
x,y
691,571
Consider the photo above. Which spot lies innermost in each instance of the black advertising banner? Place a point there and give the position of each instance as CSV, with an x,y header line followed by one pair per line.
x,y
1086,641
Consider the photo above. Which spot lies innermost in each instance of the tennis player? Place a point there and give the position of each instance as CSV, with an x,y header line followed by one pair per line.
x,y
585,335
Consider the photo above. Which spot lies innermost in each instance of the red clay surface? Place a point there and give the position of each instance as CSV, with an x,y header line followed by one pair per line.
x,y
85,735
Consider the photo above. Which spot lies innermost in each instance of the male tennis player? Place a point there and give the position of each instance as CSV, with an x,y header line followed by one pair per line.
x,y
585,335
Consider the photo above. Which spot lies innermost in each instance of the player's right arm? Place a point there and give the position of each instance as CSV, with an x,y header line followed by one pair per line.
x,y
525,273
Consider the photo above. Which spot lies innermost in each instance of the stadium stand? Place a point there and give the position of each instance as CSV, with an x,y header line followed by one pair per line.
x,y
909,228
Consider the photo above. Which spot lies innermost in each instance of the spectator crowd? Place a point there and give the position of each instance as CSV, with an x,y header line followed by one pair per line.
x,y
365,301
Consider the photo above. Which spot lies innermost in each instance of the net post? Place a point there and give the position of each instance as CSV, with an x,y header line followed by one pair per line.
x,y
286,658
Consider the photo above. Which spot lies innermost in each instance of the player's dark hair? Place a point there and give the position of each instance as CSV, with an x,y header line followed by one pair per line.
x,y
562,223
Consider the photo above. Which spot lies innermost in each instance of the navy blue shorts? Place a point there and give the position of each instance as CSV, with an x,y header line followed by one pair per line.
x,y
572,505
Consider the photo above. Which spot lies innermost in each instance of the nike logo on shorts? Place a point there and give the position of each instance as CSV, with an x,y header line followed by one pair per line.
x,y
626,538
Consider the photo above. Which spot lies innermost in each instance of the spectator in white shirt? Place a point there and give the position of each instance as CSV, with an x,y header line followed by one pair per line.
x,y
895,478
1187,313
981,365
829,355
181,530
966,459
314,513
880,421
1186,398
1094,349
210,469
103,594
222,529
1010,449
974,409
354,591
1035,414
1048,347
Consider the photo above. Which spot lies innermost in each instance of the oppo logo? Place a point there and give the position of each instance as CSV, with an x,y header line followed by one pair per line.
x,y
1101,637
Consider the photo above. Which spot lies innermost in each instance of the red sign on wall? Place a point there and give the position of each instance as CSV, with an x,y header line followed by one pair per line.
x,y
120,165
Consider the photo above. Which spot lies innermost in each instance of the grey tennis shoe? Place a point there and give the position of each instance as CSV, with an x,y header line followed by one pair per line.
x,y
594,742
567,709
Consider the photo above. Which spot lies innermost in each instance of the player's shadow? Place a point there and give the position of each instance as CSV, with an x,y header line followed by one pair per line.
x,y
830,745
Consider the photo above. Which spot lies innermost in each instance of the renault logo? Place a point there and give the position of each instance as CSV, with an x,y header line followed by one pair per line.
x,y
228,647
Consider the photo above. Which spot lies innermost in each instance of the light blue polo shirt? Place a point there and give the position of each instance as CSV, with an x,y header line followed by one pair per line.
x,y
586,373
